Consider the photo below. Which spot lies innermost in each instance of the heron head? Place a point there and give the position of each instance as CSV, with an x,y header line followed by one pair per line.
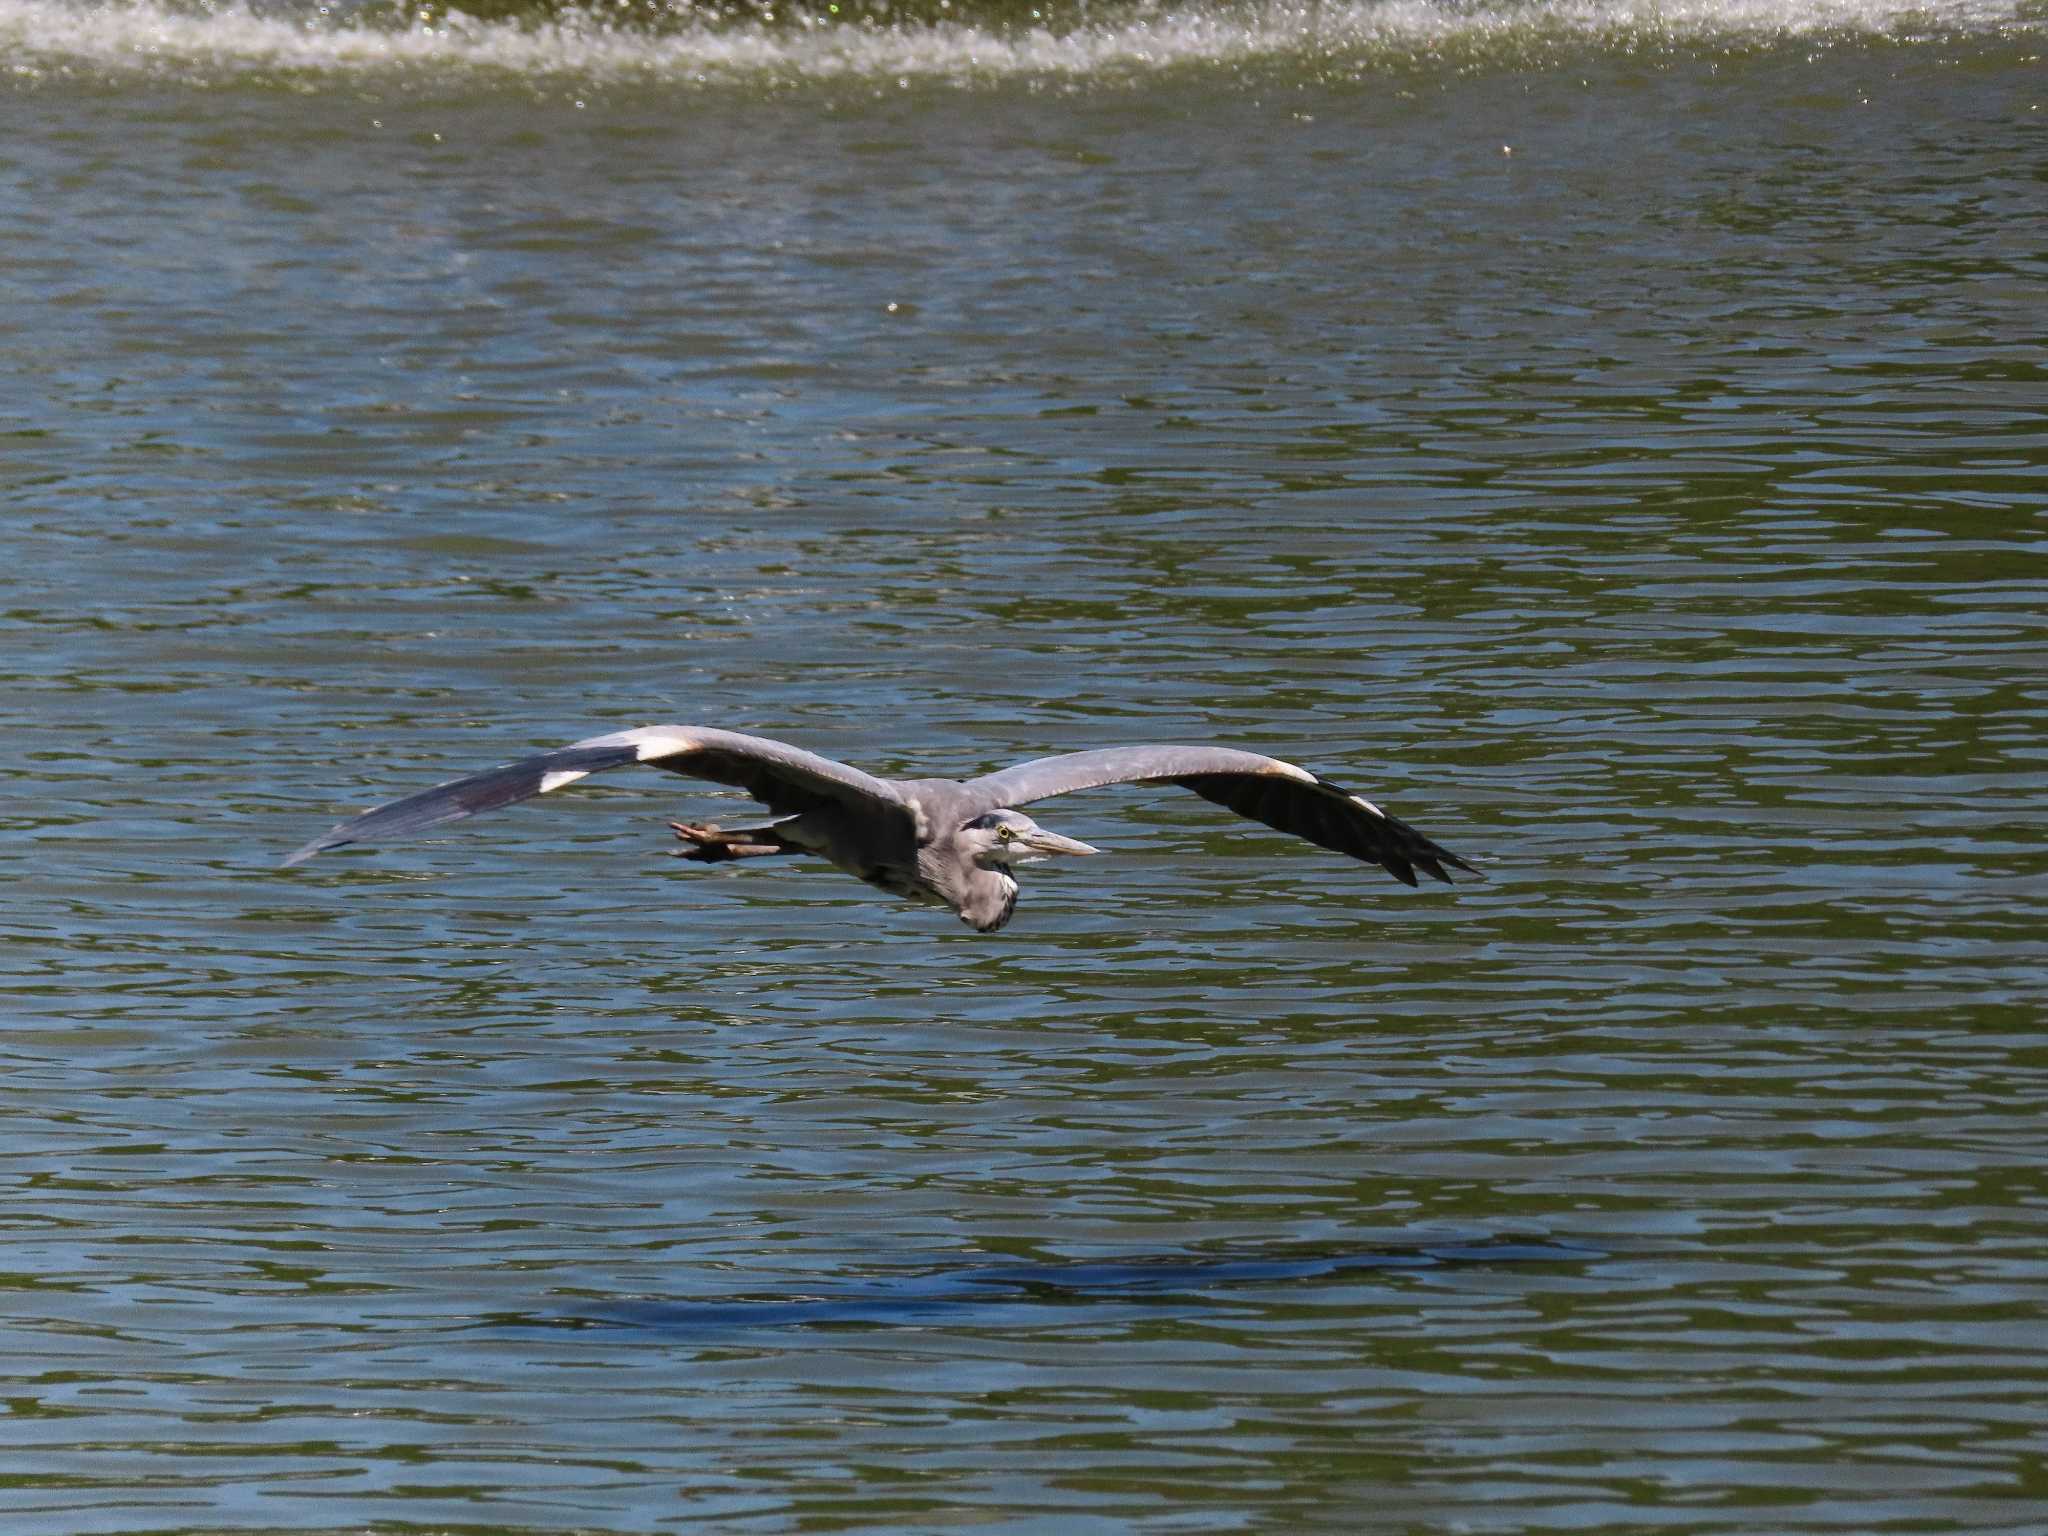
x,y
1004,838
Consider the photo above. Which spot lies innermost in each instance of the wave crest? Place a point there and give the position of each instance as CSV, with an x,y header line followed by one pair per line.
x,y
957,41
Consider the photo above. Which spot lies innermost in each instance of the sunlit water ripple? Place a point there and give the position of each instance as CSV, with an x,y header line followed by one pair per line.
x,y
1627,463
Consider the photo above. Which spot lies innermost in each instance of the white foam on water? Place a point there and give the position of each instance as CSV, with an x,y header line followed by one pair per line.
x,y
40,39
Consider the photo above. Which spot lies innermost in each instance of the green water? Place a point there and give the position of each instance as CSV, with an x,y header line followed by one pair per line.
x,y
1625,463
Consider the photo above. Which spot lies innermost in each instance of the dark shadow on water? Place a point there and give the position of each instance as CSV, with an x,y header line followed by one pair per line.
x,y
981,1294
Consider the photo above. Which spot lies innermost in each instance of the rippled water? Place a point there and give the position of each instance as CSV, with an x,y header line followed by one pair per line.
x,y
1620,451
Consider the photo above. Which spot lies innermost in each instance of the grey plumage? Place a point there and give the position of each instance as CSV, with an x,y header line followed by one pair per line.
x,y
941,841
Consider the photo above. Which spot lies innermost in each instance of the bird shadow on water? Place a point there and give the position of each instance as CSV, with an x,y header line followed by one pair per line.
x,y
981,1294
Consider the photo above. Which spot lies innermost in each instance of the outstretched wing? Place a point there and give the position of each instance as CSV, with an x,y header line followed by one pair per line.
x,y
1264,788
786,779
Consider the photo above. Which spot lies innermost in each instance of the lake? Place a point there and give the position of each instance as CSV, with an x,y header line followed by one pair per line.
x,y
1610,436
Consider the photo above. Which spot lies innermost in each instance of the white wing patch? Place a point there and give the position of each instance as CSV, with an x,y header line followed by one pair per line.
x,y
1361,800
647,743
561,776
655,744
1289,771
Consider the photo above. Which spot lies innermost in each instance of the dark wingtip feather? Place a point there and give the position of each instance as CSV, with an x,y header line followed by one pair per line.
x,y
461,798
320,844
1445,856
1413,848
1435,860
1332,817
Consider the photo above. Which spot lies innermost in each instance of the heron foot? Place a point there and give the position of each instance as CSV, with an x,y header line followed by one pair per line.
x,y
707,844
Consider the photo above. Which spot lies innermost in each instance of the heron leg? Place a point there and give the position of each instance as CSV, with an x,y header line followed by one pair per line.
x,y
708,844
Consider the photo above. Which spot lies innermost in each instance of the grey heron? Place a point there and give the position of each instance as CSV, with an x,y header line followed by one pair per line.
x,y
944,842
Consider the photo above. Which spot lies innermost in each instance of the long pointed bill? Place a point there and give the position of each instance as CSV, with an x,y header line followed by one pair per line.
x,y
1045,844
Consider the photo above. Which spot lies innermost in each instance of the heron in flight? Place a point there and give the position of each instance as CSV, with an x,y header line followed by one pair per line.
x,y
943,842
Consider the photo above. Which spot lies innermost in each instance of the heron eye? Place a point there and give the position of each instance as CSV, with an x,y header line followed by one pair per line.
x,y
1006,834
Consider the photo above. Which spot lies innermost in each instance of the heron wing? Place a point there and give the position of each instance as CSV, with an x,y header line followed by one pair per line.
x,y
1285,797
786,779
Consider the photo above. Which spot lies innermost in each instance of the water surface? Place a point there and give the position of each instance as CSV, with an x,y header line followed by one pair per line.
x,y
1613,440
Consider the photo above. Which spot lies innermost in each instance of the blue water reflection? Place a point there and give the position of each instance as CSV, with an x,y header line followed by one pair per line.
x,y
977,1294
